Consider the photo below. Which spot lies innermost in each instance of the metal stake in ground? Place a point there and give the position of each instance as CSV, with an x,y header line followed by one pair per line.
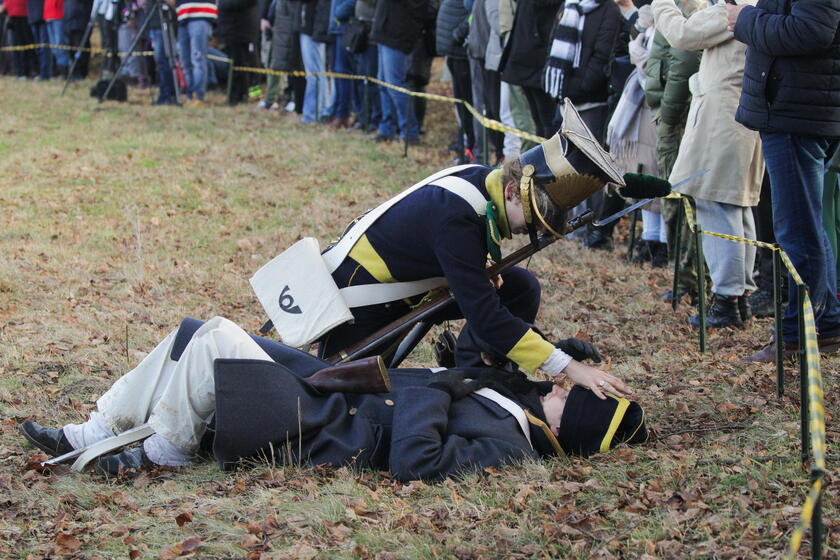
x,y
701,285
777,314
677,256
631,245
801,290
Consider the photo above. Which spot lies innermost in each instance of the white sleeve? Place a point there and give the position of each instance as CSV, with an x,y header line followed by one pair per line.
x,y
556,362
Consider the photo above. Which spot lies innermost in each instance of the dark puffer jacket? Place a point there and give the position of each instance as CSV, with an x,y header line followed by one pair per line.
x,y
397,23
526,51
285,43
792,70
452,28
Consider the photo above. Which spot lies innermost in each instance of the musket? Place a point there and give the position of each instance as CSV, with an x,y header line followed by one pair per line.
x,y
439,301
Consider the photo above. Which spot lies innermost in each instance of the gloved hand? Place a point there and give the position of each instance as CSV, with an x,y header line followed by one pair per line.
x,y
579,350
645,18
455,382
639,185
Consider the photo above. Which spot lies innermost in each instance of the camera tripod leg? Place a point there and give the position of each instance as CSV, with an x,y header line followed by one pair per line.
x,y
140,33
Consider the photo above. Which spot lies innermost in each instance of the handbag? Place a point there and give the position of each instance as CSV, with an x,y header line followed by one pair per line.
x,y
355,37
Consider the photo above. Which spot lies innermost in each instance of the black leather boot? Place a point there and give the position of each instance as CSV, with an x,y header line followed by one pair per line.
x,y
49,440
659,254
723,312
641,252
117,464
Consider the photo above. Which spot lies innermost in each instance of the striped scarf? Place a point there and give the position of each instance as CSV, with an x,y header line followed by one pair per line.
x,y
565,45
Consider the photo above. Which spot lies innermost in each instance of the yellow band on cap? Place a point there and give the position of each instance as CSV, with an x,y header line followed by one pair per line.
x,y
618,416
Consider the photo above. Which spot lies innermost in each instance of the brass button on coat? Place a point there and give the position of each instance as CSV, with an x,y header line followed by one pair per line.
x,y
389,402
353,411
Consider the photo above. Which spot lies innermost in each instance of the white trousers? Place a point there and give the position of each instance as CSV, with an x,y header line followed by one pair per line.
x,y
730,263
177,399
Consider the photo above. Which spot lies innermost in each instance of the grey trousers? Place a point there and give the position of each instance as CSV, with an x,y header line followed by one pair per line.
x,y
730,263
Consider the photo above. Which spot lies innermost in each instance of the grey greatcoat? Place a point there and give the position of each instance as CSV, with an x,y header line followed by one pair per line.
x,y
712,138
415,431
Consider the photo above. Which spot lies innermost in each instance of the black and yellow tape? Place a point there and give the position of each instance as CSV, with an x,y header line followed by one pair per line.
x,y
816,405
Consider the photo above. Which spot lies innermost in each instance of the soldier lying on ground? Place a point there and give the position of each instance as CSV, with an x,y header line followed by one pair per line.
x,y
215,387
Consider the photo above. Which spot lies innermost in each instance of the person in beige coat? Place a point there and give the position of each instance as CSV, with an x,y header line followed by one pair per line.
x,y
715,141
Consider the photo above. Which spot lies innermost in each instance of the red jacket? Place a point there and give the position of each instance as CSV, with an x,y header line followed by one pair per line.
x,y
16,8
53,9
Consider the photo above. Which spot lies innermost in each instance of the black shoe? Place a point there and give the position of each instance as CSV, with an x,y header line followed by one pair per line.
x,y
382,138
597,239
723,312
761,303
49,440
659,254
744,309
119,463
641,252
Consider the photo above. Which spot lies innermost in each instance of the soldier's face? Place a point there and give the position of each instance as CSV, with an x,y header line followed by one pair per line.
x,y
513,209
553,405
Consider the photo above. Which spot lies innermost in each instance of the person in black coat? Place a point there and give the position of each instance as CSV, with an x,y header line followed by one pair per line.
x,y
76,17
525,54
451,31
255,394
238,30
790,96
396,28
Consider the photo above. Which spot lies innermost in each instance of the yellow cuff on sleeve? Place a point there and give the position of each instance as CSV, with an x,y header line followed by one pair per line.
x,y
531,351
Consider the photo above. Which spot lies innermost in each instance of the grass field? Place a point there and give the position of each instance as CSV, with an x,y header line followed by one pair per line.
x,y
118,220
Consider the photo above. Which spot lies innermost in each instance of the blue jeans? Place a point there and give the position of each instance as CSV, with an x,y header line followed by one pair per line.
x,y
164,72
344,63
366,65
55,30
396,111
40,35
796,165
315,99
193,37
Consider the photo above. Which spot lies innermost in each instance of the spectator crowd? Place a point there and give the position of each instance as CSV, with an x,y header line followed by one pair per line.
x,y
670,87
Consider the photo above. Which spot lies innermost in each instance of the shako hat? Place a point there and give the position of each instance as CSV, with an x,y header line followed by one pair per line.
x,y
589,424
548,168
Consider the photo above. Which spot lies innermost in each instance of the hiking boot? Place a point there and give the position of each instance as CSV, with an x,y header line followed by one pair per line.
x,y
723,312
767,354
761,303
744,309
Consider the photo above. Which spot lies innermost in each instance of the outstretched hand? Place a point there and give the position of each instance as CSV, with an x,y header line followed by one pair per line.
x,y
596,380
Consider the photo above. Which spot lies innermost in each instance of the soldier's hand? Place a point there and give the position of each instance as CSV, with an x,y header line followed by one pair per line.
x,y
453,381
596,380
579,350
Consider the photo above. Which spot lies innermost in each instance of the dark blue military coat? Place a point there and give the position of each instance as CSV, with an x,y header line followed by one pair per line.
x,y
264,409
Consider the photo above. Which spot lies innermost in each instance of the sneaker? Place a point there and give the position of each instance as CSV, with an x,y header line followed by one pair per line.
x,y
275,107
264,105
290,107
